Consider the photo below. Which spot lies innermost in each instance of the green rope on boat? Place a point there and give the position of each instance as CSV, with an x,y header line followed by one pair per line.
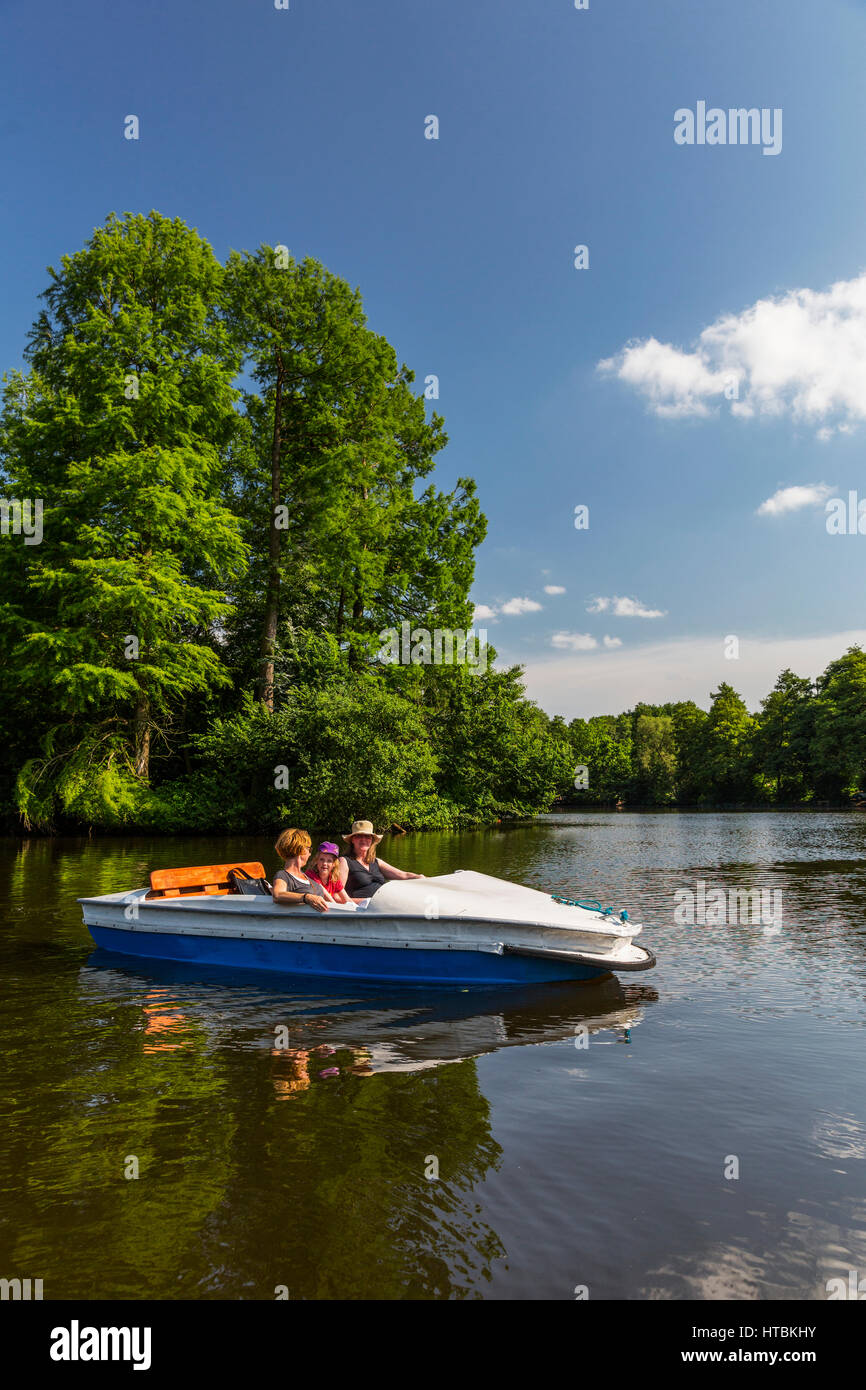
x,y
593,906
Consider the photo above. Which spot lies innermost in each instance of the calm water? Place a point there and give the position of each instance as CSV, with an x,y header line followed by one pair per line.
x,y
305,1164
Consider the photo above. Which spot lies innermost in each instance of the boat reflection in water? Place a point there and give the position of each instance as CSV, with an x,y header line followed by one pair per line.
x,y
322,1033
333,1141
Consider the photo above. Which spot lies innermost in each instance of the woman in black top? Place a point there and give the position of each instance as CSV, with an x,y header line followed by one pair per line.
x,y
360,870
292,888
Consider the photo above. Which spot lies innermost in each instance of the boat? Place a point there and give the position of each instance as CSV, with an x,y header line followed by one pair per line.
x,y
463,928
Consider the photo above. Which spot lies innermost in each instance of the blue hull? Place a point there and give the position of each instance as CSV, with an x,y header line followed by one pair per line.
x,y
344,962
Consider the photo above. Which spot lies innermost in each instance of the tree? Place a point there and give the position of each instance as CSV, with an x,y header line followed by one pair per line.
x,y
839,744
783,734
338,441
727,745
497,754
340,754
292,324
119,425
654,759
689,733
605,750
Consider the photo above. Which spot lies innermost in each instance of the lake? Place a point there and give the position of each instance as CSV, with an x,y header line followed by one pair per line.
x,y
697,1131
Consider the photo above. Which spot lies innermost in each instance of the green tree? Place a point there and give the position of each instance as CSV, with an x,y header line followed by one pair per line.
x,y
338,442
839,744
783,734
605,750
119,425
689,734
727,746
324,758
293,325
654,759
497,754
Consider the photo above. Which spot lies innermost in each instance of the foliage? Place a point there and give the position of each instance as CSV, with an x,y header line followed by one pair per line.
x,y
607,758
110,623
193,645
807,742
838,748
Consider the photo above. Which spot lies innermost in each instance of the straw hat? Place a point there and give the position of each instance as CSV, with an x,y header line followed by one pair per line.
x,y
362,827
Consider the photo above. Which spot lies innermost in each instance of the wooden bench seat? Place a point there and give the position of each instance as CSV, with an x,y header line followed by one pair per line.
x,y
204,878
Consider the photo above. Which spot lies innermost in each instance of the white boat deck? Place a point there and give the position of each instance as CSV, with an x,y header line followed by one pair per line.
x,y
464,911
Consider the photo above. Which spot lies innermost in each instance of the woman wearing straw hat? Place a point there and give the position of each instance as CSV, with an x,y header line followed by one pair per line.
x,y
360,870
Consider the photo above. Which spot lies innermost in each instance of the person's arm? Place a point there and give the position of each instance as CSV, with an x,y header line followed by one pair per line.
x,y
340,896
287,897
390,872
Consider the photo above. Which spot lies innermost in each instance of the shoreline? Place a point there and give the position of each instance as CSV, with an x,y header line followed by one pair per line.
x,y
517,822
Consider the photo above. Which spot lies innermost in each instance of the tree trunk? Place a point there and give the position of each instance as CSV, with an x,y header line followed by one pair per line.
x,y
357,614
357,607
272,602
141,727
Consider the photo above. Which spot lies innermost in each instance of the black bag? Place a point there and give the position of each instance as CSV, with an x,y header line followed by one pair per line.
x,y
242,882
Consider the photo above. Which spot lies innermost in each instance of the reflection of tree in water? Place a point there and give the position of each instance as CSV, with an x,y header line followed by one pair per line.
x,y
99,1090
333,1198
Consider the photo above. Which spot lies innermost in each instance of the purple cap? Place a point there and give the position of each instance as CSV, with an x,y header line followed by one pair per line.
x,y
327,848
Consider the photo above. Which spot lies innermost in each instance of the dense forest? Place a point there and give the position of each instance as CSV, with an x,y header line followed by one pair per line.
x,y
232,473
805,745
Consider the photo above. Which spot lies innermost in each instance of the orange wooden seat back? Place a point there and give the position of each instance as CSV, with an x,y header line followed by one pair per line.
x,y
205,878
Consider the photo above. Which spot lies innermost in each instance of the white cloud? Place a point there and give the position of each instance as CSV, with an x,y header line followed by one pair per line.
x,y
624,608
516,606
611,642
802,354
573,641
553,589
608,682
792,499
677,383
482,610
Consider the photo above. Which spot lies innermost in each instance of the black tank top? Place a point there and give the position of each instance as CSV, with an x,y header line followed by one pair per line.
x,y
362,880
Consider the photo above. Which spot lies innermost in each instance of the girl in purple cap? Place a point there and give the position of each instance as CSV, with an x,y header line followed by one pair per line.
x,y
323,868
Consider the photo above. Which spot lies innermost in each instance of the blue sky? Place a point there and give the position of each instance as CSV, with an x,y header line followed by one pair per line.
x,y
306,127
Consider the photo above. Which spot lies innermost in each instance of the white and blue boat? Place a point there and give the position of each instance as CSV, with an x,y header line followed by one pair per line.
x,y
463,928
